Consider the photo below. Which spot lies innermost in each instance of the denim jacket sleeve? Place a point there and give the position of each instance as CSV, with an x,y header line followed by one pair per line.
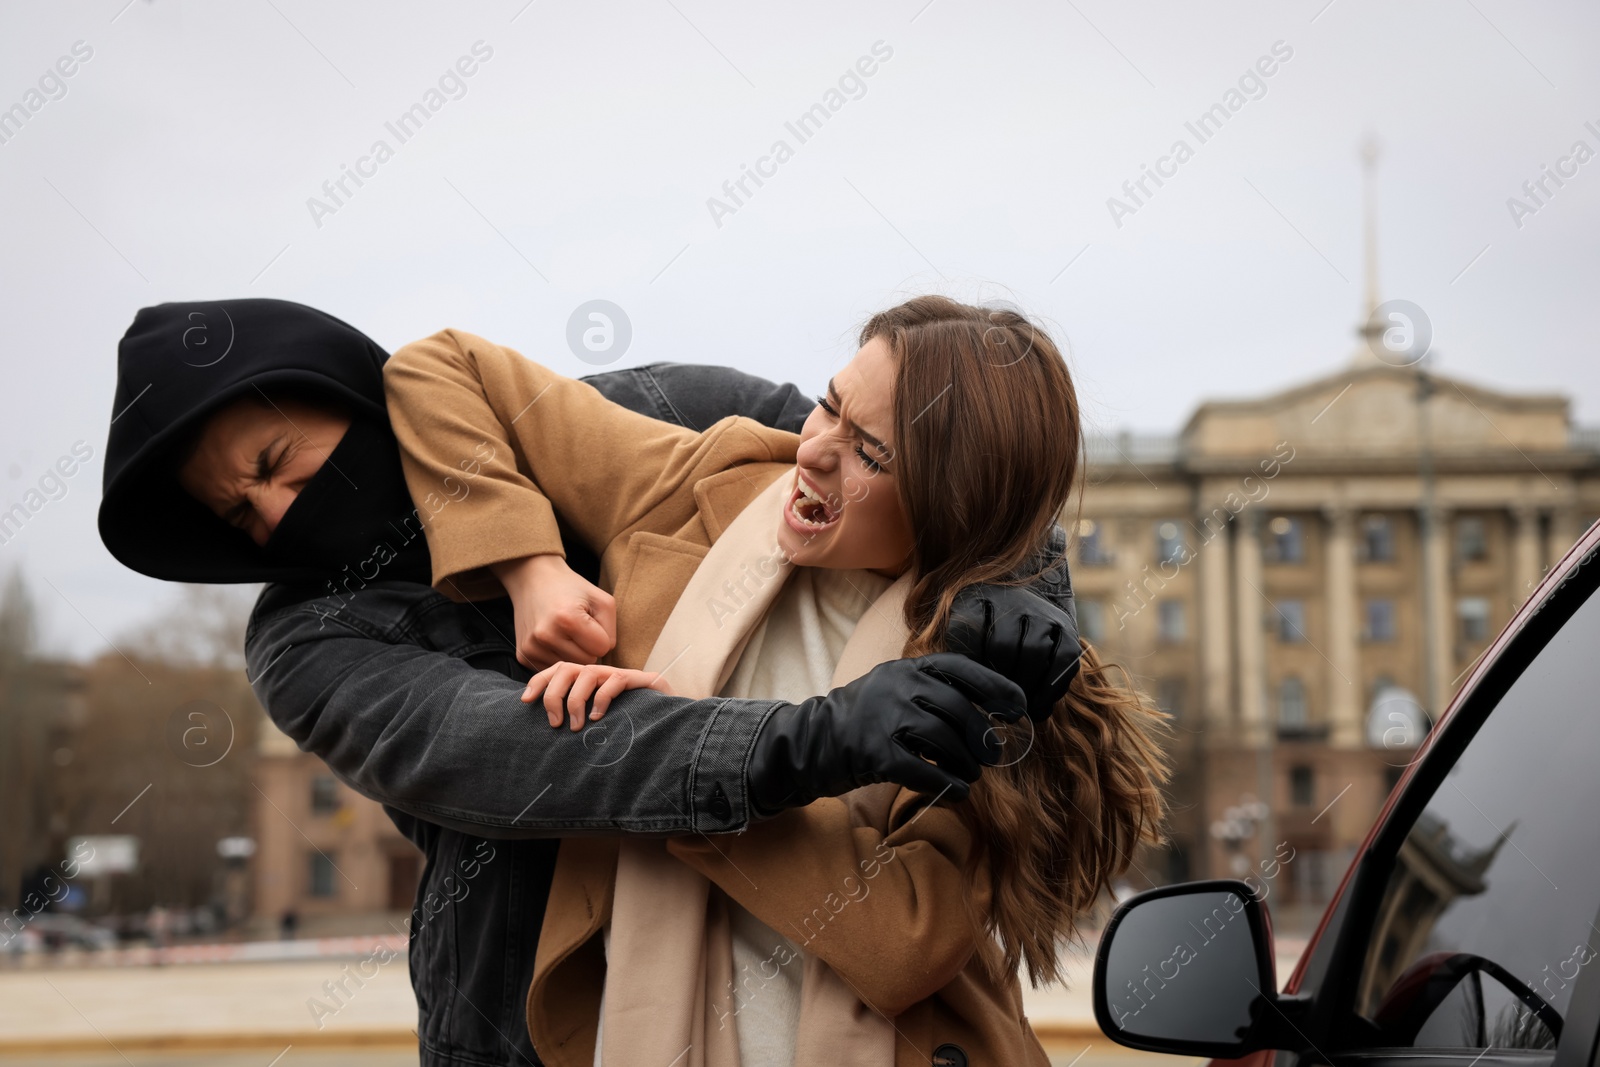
x,y
383,686
698,396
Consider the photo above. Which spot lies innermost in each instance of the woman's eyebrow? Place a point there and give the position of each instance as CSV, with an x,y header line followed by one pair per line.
x,y
833,395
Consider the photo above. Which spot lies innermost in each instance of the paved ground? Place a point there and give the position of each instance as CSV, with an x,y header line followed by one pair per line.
x,y
1103,1054
134,1007
245,1014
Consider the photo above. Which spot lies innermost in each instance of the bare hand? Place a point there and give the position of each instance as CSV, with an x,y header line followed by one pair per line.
x,y
559,615
568,687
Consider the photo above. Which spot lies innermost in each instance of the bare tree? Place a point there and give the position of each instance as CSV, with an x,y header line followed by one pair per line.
x,y
26,720
203,627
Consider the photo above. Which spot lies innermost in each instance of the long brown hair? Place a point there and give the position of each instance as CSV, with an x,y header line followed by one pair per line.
x,y
987,438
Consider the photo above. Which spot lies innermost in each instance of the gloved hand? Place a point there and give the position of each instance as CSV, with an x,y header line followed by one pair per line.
x,y
885,726
1022,636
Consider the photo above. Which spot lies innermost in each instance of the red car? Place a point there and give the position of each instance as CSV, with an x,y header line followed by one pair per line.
x,y
1467,930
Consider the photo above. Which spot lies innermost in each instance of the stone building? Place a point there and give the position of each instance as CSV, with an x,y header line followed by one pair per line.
x,y
1304,578
324,852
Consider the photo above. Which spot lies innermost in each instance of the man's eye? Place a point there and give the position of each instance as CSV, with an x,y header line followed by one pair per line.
x,y
266,466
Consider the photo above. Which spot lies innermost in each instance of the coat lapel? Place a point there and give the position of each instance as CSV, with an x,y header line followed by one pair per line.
x,y
728,595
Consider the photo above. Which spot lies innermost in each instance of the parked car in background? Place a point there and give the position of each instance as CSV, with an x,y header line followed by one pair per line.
x,y
52,932
1467,929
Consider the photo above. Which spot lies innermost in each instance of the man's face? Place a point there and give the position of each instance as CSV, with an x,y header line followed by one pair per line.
x,y
254,456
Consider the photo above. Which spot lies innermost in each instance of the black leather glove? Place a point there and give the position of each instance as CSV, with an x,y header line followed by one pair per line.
x,y
885,726
1022,636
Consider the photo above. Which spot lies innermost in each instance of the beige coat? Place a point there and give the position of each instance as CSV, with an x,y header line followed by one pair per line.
x,y
494,447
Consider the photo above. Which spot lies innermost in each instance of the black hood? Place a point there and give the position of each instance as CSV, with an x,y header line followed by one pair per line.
x,y
178,363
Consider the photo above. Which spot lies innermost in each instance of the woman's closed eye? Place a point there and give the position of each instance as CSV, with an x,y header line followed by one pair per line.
x,y
872,465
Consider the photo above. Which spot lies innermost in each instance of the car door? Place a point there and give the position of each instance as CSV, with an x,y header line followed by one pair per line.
x,y
1470,930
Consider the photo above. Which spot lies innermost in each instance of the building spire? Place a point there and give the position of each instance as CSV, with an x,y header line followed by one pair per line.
x,y
1369,165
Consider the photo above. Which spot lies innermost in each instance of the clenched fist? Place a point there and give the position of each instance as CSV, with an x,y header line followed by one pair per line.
x,y
559,615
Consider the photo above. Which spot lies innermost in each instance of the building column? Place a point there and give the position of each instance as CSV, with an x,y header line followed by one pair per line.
x,y
1525,568
1564,532
1438,618
1250,602
1216,648
1344,680
1135,611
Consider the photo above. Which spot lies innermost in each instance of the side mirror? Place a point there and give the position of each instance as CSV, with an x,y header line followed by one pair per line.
x,y
1188,969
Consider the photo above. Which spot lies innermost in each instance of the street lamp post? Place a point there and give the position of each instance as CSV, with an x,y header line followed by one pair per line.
x,y
1239,824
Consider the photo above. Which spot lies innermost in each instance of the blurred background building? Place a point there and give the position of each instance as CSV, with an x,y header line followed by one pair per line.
x,y
325,853
1303,579
147,795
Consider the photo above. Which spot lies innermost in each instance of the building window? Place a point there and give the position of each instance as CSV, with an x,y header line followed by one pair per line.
x,y
1288,618
1292,704
1302,786
1092,549
322,871
1170,546
1169,696
1473,611
1285,543
1472,539
1377,539
1171,621
324,794
1091,620
1378,620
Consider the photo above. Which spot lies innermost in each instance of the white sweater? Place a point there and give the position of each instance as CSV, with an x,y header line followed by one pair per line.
x,y
790,656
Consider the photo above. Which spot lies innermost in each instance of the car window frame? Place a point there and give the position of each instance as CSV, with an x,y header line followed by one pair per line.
x,y
1334,1020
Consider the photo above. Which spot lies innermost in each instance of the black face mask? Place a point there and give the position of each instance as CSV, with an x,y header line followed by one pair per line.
x,y
355,517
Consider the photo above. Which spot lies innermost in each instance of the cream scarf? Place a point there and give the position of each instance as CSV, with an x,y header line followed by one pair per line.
x,y
670,956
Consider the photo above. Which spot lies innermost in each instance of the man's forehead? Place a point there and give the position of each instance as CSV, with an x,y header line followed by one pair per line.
x,y
226,452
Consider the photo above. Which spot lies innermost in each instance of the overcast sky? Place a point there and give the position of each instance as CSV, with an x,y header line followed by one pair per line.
x,y
180,159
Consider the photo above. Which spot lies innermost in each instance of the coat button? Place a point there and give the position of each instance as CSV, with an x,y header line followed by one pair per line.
x,y
720,808
950,1056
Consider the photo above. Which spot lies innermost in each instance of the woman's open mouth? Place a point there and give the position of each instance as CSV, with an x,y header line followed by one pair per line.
x,y
808,512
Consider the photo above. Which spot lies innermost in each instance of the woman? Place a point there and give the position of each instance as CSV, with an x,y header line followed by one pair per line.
x,y
750,562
